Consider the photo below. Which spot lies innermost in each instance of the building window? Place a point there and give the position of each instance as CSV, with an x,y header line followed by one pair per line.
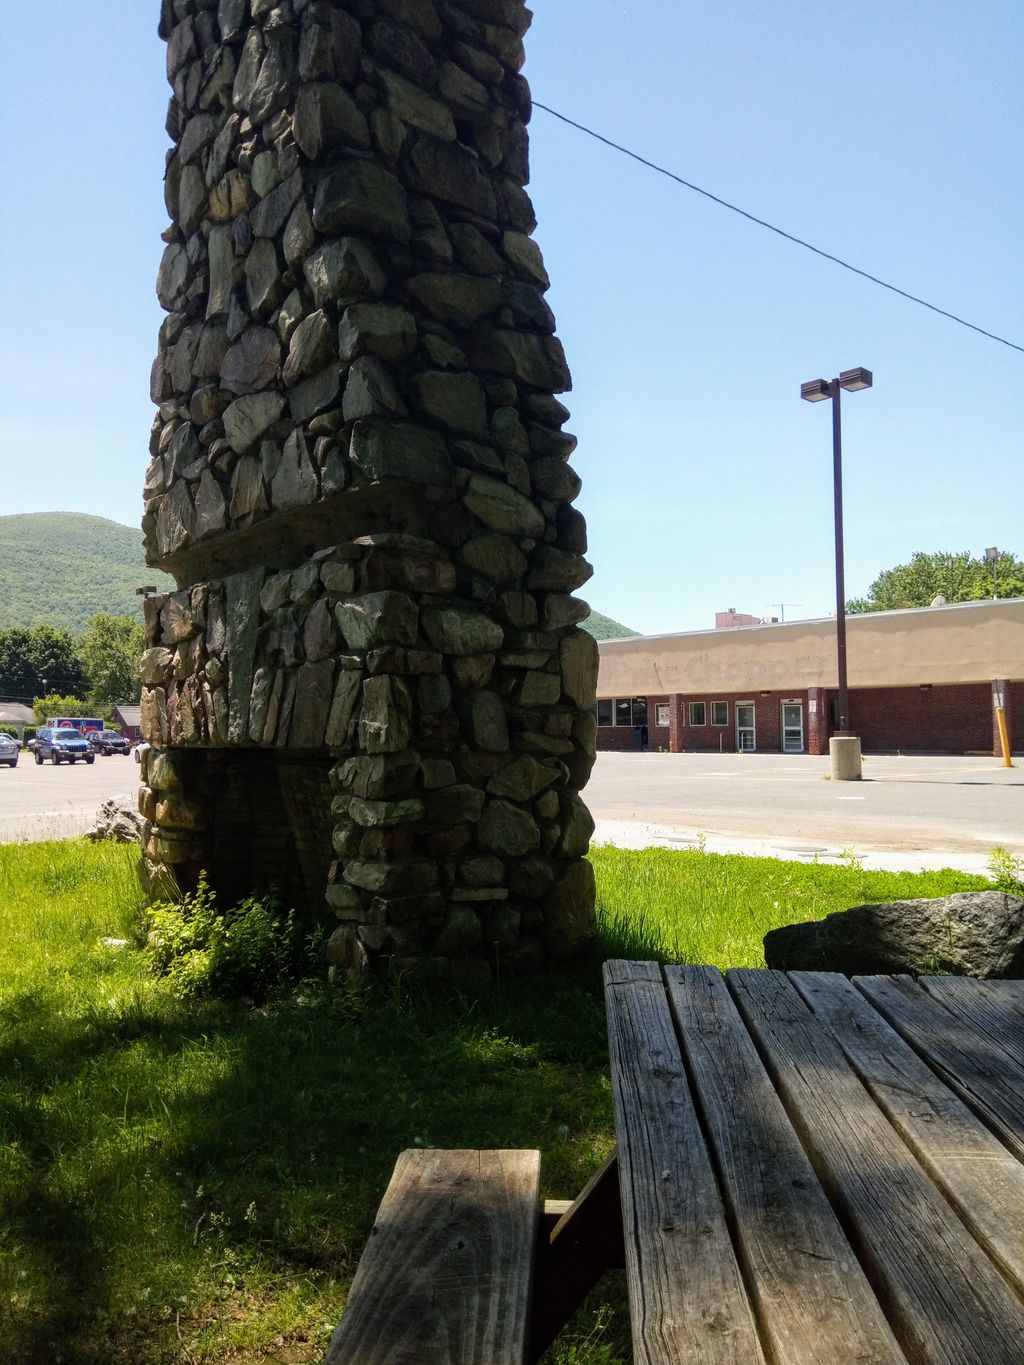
x,y
698,713
719,713
622,711
661,714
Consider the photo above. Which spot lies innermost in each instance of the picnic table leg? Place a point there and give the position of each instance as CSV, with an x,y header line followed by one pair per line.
x,y
585,1241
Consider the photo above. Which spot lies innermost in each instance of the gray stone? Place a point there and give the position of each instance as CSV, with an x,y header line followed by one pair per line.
x,y
326,117
528,356
221,255
522,779
272,212
460,935
248,494
243,618
361,196
455,401
347,692
418,109
494,557
211,507
263,278
299,236
485,720
577,827
400,450
382,329
339,579
437,772
569,919
155,666
450,171
343,271
379,618
315,394
294,484
376,777
391,879
561,610
459,300
554,570
251,364
553,478
453,630
385,814
507,830
310,348
456,805
370,391
501,508
313,697
319,639
248,418
175,520
578,657
970,933
524,255
385,722
277,72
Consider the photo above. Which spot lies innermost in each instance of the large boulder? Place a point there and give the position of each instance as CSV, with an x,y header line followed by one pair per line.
x,y
971,933
117,819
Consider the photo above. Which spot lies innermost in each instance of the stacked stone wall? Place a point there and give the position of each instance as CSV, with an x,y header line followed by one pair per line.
x,y
359,477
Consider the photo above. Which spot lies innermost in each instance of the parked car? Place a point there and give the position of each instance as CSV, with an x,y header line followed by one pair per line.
x,y
62,745
109,742
141,749
9,751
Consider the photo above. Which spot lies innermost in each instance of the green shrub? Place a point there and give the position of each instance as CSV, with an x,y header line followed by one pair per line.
x,y
250,948
30,732
11,730
1007,871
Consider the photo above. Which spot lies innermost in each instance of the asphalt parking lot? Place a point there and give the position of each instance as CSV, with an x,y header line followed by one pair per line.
x,y
908,812
43,801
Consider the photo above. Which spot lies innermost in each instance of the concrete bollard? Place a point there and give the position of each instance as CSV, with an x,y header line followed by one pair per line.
x,y
844,757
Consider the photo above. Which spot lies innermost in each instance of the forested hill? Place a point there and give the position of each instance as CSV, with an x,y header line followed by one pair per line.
x,y
63,567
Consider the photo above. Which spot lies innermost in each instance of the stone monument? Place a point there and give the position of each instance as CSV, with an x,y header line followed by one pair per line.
x,y
370,688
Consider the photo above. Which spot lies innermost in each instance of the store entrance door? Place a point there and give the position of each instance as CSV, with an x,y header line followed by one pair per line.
x,y
792,727
746,735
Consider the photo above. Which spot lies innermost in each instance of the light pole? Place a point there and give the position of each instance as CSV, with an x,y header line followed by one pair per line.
x,y
845,755
992,555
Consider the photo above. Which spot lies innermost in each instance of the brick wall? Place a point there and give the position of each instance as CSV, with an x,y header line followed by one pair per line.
x,y
952,720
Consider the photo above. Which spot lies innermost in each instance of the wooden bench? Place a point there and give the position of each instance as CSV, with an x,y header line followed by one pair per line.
x,y
466,1266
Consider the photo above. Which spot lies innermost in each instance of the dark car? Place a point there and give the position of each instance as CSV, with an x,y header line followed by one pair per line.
x,y
109,742
62,745
9,751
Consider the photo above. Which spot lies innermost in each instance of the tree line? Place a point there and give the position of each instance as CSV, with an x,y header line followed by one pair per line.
x,y
958,577
93,671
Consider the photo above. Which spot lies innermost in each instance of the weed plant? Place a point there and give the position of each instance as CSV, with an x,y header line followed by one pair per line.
x,y
192,1178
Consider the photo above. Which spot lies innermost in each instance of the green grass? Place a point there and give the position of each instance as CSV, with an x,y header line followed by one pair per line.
x,y
193,1182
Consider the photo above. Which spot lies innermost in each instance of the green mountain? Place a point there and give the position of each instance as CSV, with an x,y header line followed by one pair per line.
x,y
604,628
63,567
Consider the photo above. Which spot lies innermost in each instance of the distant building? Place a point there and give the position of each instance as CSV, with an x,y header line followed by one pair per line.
x,y
128,716
924,680
727,620
12,713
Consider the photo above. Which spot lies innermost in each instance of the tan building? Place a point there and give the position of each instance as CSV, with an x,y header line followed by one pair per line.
x,y
925,680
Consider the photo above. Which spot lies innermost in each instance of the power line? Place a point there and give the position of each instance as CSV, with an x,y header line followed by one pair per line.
x,y
772,228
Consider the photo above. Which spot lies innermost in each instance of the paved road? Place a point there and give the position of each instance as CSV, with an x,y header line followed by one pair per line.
x,y
47,802
908,812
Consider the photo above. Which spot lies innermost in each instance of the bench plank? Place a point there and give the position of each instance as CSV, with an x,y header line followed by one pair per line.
x,y
812,1299
946,1300
983,1180
687,1300
982,1010
981,1072
447,1271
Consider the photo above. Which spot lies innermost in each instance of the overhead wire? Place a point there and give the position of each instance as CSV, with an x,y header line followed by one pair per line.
x,y
761,222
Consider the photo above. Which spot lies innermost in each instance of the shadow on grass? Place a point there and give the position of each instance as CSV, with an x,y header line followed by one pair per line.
x,y
167,1163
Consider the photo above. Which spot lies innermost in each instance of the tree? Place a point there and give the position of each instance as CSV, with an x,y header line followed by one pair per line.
x,y
957,577
39,660
53,704
110,650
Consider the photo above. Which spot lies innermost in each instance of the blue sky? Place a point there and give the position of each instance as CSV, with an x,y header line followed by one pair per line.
x,y
888,134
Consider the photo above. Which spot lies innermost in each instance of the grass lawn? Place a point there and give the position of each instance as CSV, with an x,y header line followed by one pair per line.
x,y
192,1181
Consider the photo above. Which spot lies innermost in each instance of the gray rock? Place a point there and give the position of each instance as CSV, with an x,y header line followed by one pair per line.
x,y
455,401
273,211
248,418
118,820
326,118
315,394
578,657
496,558
459,300
524,255
211,507
400,450
485,721
175,520
221,254
553,478
263,278
243,618
343,271
419,110
522,779
501,508
385,722
370,391
378,618
507,830
313,698
577,828
248,493
460,935
310,348
451,172
319,639
528,356
295,482
569,919
347,691
299,236
382,329
361,196
554,570
970,933
453,630
251,364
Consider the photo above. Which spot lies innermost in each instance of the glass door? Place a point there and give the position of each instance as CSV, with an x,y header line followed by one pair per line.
x,y
792,727
746,738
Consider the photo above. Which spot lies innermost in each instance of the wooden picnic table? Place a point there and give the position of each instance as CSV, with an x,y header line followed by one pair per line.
x,y
818,1170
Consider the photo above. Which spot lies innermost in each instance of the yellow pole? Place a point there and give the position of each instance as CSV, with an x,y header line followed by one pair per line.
x,y
1004,738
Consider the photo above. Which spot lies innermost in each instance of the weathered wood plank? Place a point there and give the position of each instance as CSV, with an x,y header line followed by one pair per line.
x,y
981,1178
976,1067
447,1272
946,1300
687,1300
982,1010
812,1299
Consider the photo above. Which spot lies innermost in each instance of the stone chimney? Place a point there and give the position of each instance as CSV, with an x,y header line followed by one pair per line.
x,y
370,688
